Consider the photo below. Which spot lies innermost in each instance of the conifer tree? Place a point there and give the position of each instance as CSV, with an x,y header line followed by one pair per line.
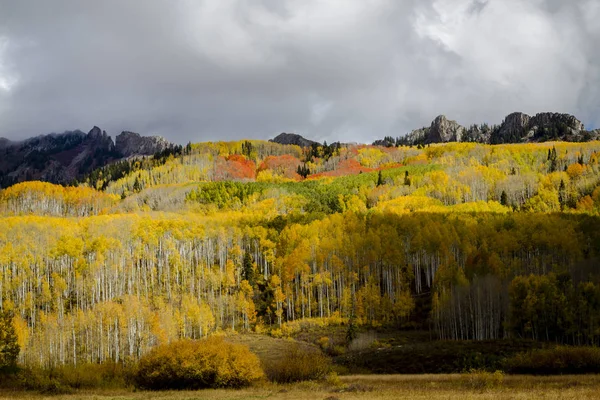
x,y
9,347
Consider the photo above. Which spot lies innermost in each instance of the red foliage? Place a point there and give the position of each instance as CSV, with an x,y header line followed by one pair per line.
x,y
235,167
285,165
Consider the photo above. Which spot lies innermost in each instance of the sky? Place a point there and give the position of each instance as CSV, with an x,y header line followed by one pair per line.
x,y
347,70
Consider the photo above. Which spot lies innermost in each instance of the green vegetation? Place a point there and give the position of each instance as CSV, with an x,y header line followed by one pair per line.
x,y
9,346
559,360
435,357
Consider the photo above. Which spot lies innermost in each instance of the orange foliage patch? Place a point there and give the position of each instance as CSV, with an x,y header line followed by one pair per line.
x,y
235,167
285,165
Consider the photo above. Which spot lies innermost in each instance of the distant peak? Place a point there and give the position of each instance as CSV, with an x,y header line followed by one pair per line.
x,y
294,139
131,144
95,129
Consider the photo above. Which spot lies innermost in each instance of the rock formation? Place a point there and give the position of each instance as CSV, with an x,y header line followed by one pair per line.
x,y
293,138
130,144
516,128
68,156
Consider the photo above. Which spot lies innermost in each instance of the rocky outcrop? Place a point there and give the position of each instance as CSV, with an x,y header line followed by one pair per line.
x,y
516,128
129,144
519,127
68,156
513,128
547,120
293,138
443,130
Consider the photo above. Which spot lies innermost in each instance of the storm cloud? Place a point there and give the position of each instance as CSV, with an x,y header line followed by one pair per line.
x,y
350,70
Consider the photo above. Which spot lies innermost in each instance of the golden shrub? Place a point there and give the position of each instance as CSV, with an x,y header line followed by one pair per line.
x,y
208,363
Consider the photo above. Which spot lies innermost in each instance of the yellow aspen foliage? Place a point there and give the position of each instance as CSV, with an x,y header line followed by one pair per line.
x,y
575,170
545,201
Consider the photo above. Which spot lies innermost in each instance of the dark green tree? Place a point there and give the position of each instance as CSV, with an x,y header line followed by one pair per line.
x,y
553,157
248,269
247,149
9,346
380,179
504,199
562,194
137,187
406,179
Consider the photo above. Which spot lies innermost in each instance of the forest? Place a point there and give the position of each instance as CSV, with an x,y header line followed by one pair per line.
x,y
465,241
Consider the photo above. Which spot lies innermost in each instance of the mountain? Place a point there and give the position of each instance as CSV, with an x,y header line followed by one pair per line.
x,y
441,130
516,128
64,157
133,144
293,138
519,127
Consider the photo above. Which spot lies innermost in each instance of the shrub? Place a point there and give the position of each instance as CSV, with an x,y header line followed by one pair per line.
x,y
63,379
298,364
208,363
558,360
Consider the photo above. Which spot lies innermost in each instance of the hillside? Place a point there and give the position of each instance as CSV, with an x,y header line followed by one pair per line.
x,y
74,156
257,236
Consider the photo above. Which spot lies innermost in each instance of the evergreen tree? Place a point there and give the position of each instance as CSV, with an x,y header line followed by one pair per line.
x,y
562,194
504,199
9,347
247,149
248,269
380,179
136,185
552,156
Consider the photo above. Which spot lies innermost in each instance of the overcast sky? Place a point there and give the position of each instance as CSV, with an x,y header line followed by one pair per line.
x,y
349,70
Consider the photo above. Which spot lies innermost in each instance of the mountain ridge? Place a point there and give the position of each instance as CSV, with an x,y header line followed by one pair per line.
x,y
65,157
516,127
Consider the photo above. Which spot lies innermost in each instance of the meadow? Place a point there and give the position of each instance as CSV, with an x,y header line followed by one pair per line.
x,y
430,387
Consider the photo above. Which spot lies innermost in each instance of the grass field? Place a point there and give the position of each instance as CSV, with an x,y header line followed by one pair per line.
x,y
426,387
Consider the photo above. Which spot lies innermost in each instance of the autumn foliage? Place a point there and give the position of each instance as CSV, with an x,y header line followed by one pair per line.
x,y
284,166
208,363
481,242
235,167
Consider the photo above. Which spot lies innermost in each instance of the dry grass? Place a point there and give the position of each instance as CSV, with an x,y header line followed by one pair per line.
x,y
267,348
426,387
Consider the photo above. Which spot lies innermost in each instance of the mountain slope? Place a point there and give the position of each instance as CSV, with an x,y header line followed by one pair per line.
x,y
65,157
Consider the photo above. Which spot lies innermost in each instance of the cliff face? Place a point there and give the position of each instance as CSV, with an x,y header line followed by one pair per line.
x,y
516,128
519,127
64,157
513,128
131,144
441,130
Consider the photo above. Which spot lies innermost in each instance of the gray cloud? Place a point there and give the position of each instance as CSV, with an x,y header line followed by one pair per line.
x,y
328,69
